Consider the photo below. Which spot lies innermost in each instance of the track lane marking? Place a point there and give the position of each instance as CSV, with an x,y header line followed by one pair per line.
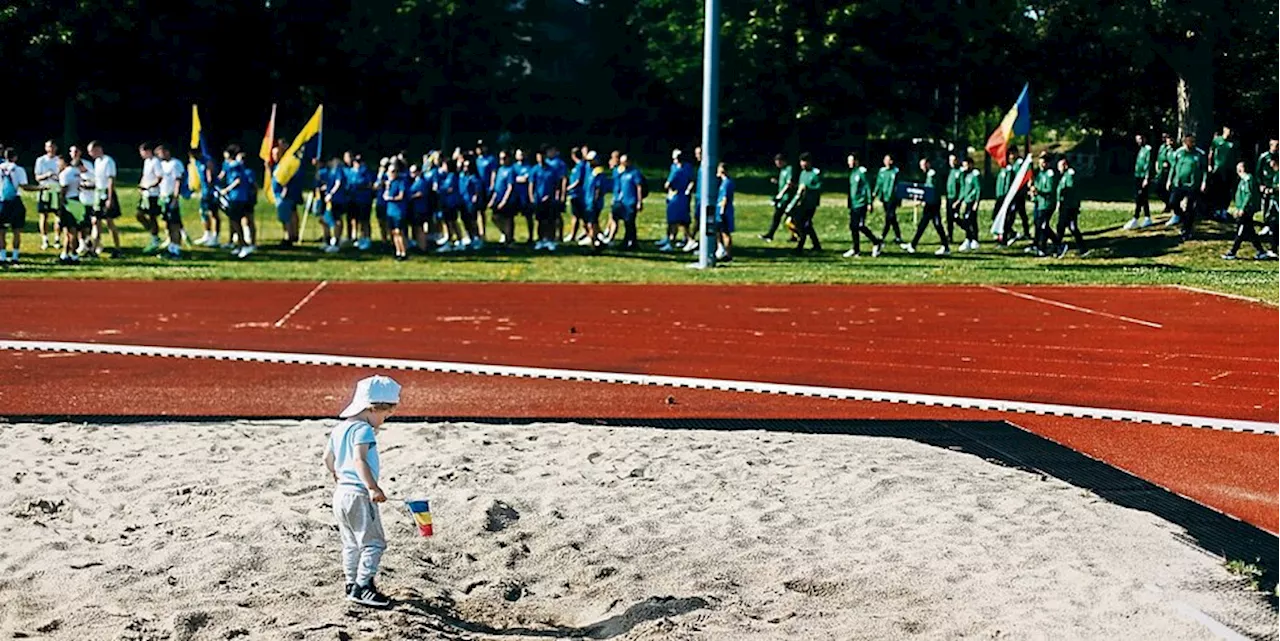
x,y
988,404
1074,308
305,299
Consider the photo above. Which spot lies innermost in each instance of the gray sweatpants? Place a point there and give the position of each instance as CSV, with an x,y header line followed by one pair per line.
x,y
362,539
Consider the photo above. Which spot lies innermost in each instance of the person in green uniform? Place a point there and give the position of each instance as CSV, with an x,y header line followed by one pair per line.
x,y
1163,155
970,195
886,191
859,205
1248,202
1045,191
1069,209
786,185
805,203
1187,180
1144,170
1266,177
1018,206
1222,174
955,176
932,214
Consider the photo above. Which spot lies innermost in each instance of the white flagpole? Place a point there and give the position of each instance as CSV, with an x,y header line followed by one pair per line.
x,y
997,226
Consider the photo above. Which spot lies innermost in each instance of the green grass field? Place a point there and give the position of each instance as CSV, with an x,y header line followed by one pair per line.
x,y
1151,257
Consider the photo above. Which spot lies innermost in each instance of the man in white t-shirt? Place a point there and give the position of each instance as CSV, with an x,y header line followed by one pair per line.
x,y
87,200
172,174
47,175
70,209
13,214
149,197
107,206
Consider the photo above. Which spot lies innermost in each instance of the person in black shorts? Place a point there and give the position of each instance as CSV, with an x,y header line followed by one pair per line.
x,y
46,171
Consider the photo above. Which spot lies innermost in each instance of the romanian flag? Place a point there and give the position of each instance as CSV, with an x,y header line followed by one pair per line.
x,y
1016,123
199,155
421,511
305,147
264,152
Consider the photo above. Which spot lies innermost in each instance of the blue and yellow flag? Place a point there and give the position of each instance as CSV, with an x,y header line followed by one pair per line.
x,y
199,155
305,147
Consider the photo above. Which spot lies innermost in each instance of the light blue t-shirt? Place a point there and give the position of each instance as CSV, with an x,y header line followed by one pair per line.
x,y
342,442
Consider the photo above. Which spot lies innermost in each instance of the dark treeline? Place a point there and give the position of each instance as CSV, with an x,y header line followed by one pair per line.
x,y
627,73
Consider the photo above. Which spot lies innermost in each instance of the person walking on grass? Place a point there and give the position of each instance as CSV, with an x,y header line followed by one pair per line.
x,y
804,205
1144,171
69,204
859,203
932,213
240,192
1164,157
886,191
13,214
1069,209
351,457
955,178
1188,178
970,197
786,189
149,197
1018,206
679,187
725,215
1248,202
1045,191
172,175
628,201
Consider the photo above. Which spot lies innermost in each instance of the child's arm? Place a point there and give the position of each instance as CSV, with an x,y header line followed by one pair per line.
x,y
328,461
366,474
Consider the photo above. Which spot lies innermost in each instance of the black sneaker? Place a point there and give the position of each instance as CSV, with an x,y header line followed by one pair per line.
x,y
350,587
115,253
368,595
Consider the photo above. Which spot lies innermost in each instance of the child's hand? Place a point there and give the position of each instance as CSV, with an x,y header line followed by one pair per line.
x,y
376,495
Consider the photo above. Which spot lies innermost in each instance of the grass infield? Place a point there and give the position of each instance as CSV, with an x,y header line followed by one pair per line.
x,y
1154,256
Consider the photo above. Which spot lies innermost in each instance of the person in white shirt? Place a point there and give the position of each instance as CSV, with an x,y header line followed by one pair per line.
x,y
87,200
107,208
13,214
149,197
172,174
69,205
47,175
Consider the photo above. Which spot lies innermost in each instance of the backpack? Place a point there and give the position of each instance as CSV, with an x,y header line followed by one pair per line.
x,y
9,189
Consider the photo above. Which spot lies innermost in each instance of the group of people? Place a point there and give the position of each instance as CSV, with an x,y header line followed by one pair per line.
x,y
1193,184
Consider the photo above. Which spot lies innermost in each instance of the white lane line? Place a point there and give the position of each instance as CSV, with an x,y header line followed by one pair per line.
x,y
997,405
305,299
1210,292
1075,308
1219,630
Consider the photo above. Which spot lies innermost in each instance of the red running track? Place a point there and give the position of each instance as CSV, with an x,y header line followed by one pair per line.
x,y
1097,347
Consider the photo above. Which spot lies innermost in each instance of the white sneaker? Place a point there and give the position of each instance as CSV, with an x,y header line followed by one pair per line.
x,y
942,251
1173,220
1146,222
442,241
876,250
721,254
973,245
964,246
551,245
850,253
1133,222
477,243
908,247
245,251
692,245
211,241
568,238
364,244
586,240
445,248
331,249
666,248
44,242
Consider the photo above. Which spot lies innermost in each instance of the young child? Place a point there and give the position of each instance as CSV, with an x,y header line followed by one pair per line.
x,y
351,456
397,196
725,214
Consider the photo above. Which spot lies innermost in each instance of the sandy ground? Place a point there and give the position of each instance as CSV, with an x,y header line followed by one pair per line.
x,y
177,532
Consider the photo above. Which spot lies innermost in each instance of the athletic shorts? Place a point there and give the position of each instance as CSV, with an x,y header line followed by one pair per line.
x,y
210,207
360,211
417,218
72,216
395,218
727,221
624,212
506,212
449,214
44,203
103,212
547,210
286,209
590,215
527,209
148,204
13,214
380,209
239,210
678,211
577,206
171,210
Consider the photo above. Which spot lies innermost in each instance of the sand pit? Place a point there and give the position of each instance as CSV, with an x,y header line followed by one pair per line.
x,y
223,531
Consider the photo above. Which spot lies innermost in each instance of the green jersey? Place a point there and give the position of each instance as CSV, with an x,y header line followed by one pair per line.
x,y
971,186
1164,158
859,188
1247,198
1224,154
954,178
1004,180
887,184
810,192
1187,167
933,179
1264,172
1067,196
1142,167
786,185
1046,185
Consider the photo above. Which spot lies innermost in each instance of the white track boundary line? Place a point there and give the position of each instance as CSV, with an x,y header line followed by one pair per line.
x,y
1075,308
305,299
1210,292
996,405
